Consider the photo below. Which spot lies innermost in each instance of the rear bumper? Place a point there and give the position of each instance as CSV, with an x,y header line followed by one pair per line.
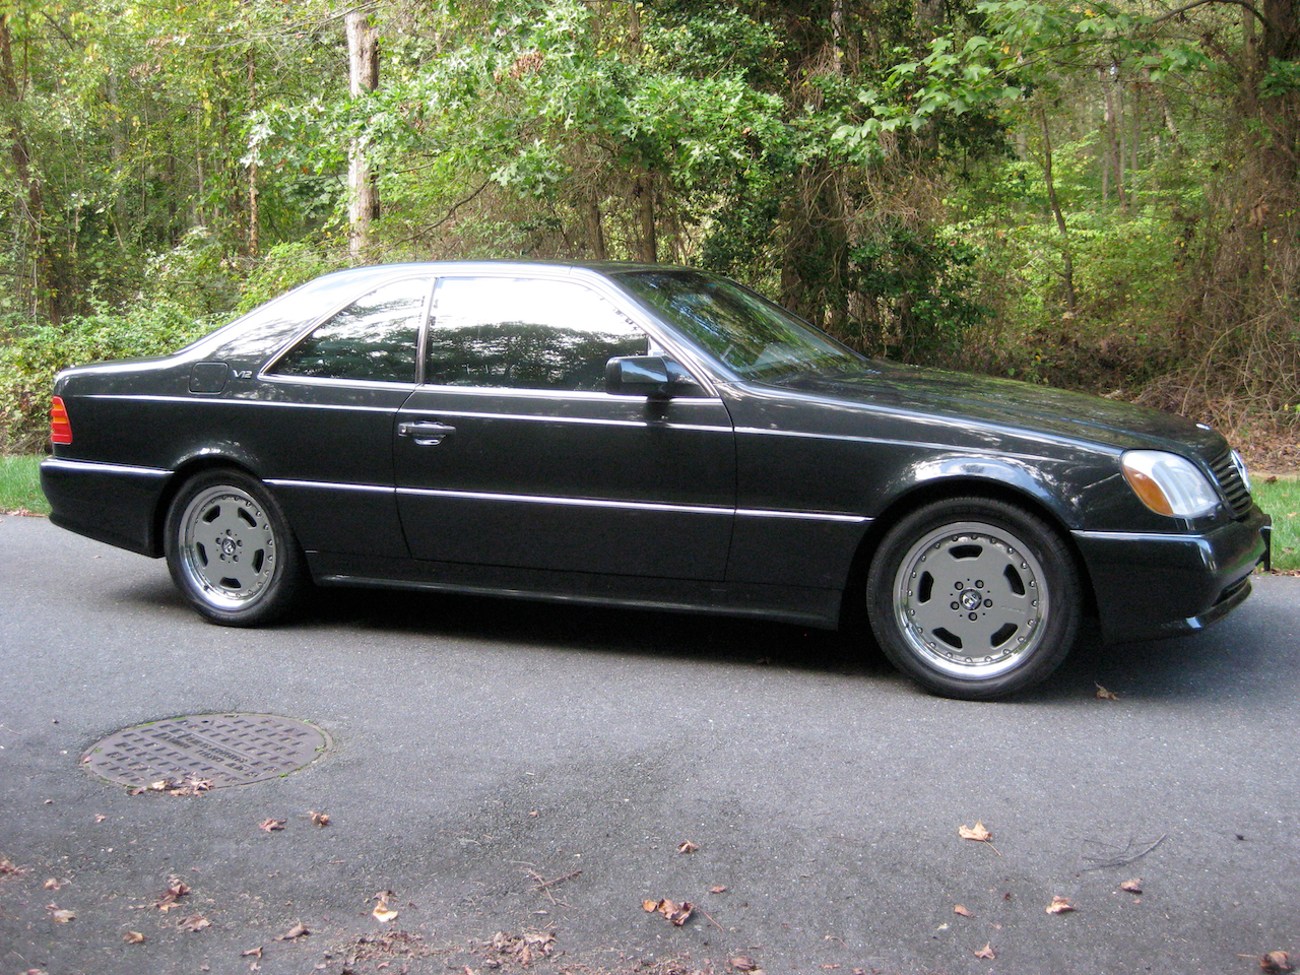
x,y
111,503
1149,585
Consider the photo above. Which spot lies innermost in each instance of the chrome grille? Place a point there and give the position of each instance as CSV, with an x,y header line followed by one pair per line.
x,y
1231,486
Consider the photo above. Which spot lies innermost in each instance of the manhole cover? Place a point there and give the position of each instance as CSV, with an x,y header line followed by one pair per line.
x,y
221,749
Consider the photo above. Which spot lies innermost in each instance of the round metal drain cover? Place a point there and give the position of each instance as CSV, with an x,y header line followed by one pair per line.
x,y
218,749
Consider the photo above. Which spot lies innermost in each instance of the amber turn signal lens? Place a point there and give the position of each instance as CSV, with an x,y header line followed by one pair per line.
x,y
1149,491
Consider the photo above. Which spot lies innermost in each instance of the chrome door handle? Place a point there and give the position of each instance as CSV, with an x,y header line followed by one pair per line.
x,y
425,433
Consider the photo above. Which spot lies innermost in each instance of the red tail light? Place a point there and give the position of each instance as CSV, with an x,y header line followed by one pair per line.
x,y
60,425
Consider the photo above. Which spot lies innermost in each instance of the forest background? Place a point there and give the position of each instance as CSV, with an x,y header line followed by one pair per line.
x,y
1098,195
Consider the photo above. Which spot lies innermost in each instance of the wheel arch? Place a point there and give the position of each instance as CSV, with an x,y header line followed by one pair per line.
x,y
181,475
922,493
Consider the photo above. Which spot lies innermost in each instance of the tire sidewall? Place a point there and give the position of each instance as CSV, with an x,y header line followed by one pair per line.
x,y
281,590
1061,582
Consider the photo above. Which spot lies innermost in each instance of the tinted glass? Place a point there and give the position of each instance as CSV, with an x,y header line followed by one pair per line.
x,y
374,339
754,337
525,334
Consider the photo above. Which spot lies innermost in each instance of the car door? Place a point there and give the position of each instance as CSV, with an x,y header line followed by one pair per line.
x,y
511,453
324,419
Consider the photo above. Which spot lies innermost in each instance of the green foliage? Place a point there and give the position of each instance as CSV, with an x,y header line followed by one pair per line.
x,y
284,267
31,357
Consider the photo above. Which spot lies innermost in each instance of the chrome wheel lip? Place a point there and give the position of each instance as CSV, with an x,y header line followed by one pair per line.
x,y
242,539
1001,551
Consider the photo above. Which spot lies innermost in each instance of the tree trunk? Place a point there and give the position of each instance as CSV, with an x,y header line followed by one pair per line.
x,y
647,245
32,208
363,77
254,215
1067,260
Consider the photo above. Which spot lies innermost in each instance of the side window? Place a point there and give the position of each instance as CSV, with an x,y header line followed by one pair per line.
x,y
524,334
374,339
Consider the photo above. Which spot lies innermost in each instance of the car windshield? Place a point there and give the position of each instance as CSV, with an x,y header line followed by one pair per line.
x,y
750,335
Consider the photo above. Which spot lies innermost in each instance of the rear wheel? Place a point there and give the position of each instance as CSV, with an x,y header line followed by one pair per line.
x,y
974,598
230,550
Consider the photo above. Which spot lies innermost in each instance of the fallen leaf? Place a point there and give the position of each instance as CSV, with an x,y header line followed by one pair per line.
x,y
99,818
1105,695
195,922
52,884
743,963
60,916
1059,905
977,833
1276,963
987,952
382,911
176,889
271,825
677,913
133,938
9,869
319,818
686,846
252,953
962,910
1133,886
299,930
718,889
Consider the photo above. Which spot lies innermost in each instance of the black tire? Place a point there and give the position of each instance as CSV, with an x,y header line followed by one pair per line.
x,y
974,598
230,550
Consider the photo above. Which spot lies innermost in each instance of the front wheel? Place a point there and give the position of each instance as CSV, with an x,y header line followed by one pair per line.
x,y
230,550
974,598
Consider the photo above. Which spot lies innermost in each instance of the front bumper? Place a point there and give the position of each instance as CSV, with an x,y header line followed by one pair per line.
x,y
1153,585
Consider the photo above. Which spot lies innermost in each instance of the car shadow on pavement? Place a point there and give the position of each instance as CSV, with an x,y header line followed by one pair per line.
x,y
1233,660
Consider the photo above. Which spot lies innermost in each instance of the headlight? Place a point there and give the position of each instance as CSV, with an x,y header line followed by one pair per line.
x,y
1169,484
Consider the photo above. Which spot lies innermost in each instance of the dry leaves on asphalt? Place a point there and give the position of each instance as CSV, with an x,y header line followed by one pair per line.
x,y
962,910
987,952
319,818
686,846
1276,963
252,953
271,825
134,938
677,913
382,912
176,889
1105,695
9,869
524,948
743,963
1059,905
195,922
60,916
718,889
191,786
299,930
976,833
1133,886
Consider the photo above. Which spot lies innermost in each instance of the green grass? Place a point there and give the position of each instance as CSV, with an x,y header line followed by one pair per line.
x,y
20,490
20,484
1281,499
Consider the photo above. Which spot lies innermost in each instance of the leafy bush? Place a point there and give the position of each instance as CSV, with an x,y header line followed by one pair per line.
x,y
33,355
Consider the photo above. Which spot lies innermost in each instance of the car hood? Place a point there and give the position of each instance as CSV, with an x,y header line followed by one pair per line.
x,y
1010,405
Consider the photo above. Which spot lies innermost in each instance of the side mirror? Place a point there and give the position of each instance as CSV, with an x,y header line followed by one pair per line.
x,y
652,376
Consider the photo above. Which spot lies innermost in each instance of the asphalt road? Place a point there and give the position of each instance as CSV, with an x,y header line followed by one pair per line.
x,y
504,767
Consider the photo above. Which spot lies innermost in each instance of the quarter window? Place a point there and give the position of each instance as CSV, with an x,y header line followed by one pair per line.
x,y
525,334
372,340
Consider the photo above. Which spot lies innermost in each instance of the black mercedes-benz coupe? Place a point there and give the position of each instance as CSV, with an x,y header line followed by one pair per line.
x,y
654,437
